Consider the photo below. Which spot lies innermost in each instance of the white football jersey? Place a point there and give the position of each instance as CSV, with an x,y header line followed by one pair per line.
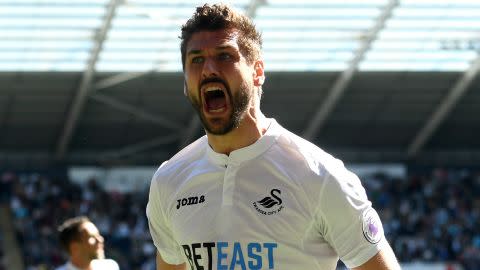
x,y
100,264
281,203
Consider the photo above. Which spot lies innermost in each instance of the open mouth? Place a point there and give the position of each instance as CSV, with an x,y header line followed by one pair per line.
x,y
215,99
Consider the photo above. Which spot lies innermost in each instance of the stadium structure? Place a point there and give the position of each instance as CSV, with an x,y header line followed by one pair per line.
x,y
99,83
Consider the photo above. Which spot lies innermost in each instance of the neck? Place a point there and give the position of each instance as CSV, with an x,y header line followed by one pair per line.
x,y
251,128
81,263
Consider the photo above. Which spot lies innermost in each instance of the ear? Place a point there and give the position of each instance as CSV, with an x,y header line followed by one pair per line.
x,y
258,73
185,88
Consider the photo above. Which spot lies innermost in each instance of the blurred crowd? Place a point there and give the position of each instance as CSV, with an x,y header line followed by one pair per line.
x,y
432,216
40,203
429,217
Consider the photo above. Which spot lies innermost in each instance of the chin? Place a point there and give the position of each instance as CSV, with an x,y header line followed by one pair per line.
x,y
222,126
219,130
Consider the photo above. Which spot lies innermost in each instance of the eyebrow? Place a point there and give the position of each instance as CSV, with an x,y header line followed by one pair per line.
x,y
194,52
219,48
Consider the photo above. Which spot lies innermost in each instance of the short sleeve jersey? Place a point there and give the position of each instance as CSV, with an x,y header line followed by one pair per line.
x,y
281,203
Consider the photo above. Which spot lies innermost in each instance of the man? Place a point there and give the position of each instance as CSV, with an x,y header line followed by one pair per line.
x,y
82,241
250,194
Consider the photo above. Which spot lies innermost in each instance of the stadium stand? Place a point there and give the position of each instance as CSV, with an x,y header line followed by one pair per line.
x,y
9,251
428,217
2,256
40,203
3,205
432,217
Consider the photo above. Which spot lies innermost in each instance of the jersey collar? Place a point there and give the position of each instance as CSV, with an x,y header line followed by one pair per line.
x,y
247,153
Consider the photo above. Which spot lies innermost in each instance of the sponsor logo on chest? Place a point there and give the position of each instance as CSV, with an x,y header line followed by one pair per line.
x,y
229,256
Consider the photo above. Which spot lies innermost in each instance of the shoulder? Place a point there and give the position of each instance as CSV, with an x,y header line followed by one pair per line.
x,y
313,157
183,159
317,170
168,176
105,264
303,163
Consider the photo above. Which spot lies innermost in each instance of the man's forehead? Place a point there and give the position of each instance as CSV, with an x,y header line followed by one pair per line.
x,y
213,39
89,228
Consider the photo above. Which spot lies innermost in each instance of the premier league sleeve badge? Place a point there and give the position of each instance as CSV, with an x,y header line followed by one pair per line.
x,y
372,226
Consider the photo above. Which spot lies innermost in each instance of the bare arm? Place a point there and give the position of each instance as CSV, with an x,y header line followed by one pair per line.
x,y
384,260
162,265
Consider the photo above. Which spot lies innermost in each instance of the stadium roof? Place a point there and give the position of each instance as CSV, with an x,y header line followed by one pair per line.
x,y
99,81
302,35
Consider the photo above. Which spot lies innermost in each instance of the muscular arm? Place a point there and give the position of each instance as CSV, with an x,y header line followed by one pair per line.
x,y
384,260
162,265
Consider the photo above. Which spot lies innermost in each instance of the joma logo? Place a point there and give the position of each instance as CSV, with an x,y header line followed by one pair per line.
x,y
190,201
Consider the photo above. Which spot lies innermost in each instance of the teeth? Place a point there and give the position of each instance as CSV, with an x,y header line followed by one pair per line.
x,y
212,88
217,110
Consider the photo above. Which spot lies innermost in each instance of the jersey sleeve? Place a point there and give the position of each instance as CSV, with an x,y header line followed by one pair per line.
x,y
160,228
347,220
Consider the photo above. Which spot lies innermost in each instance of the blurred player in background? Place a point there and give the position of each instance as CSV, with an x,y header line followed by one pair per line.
x,y
250,194
82,241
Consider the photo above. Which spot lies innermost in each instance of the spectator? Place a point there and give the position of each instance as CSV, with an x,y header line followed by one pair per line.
x,y
82,241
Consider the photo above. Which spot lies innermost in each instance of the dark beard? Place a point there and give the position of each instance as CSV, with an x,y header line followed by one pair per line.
x,y
239,103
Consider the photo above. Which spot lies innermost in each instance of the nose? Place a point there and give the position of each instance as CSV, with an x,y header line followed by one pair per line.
x,y
100,239
210,68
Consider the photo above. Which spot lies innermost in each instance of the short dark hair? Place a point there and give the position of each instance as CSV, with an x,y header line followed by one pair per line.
x,y
218,17
69,231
